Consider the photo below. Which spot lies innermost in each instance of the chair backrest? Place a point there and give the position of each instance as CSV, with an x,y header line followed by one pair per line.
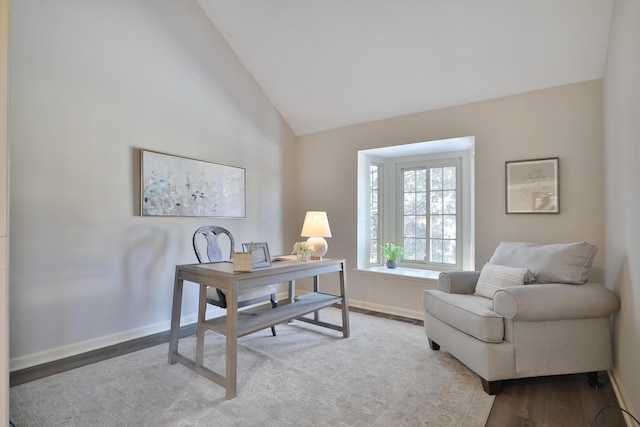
x,y
213,251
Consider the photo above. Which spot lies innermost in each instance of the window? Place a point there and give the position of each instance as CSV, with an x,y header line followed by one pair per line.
x,y
423,204
374,216
429,213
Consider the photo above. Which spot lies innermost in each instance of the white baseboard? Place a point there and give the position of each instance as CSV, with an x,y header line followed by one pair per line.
x,y
46,356
387,309
623,399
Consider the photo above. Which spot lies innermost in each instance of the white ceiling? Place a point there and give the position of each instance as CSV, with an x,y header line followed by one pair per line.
x,y
331,63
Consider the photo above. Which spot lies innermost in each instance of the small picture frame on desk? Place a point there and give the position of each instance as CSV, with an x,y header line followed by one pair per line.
x,y
260,253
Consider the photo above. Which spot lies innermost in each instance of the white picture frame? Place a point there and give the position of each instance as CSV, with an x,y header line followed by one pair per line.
x,y
260,253
532,186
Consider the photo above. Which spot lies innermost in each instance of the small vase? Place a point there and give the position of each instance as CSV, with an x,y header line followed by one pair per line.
x,y
303,256
392,263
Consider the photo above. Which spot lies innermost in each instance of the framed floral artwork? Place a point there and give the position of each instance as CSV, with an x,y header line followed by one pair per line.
x,y
181,186
532,186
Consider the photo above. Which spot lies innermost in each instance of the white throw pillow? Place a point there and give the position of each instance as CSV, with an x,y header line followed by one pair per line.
x,y
494,277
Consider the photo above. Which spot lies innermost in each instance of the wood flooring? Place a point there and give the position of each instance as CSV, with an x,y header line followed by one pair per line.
x,y
563,401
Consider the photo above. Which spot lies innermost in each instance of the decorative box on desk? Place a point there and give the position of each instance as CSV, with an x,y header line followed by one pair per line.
x,y
242,262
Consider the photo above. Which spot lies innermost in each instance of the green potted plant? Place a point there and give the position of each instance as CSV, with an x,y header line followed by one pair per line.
x,y
392,253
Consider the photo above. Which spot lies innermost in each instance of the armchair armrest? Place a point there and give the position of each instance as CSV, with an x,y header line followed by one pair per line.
x,y
555,301
458,282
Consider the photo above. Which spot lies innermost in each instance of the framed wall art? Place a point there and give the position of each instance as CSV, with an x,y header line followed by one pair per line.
x,y
532,186
180,186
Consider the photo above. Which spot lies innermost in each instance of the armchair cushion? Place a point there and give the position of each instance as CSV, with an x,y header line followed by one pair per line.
x,y
494,277
551,263
470,314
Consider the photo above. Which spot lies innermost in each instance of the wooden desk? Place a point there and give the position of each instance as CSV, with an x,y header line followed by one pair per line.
x,y
222,276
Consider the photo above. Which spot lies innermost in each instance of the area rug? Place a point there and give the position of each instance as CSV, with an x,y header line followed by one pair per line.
x,y
383,375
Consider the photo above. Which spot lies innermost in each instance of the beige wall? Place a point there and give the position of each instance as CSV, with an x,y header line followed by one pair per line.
x,y
622,188
90,83
4,289
565,122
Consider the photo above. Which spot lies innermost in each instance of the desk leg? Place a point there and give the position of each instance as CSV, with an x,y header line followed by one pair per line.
x,y
345,303
202,310
292,291
316,288
232,341
292,296
175,318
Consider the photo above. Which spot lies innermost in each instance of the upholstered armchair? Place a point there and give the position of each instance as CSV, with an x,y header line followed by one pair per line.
x,y
530,312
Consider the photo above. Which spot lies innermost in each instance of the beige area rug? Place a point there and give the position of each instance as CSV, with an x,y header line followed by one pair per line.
x,y
383,375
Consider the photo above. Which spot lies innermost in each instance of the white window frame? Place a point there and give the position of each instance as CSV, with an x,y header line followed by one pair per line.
x,y
391,208
381,174
398,217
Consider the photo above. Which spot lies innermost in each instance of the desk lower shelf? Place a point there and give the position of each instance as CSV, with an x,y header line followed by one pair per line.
x,y
253,320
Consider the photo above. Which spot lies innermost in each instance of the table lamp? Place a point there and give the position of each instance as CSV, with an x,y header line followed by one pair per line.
x,y
316,228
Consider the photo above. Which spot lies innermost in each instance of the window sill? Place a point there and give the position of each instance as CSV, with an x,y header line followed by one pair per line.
x,y
401,272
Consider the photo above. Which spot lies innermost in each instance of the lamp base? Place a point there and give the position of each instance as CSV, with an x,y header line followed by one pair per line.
x,y
319,245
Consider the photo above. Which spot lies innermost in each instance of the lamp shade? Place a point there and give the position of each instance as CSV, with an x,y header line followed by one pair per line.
x,y
316,224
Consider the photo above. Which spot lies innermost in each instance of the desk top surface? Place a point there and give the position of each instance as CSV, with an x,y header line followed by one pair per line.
x,y
279,265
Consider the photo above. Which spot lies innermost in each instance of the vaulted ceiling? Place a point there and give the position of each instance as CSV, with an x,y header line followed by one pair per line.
x,y
331,63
